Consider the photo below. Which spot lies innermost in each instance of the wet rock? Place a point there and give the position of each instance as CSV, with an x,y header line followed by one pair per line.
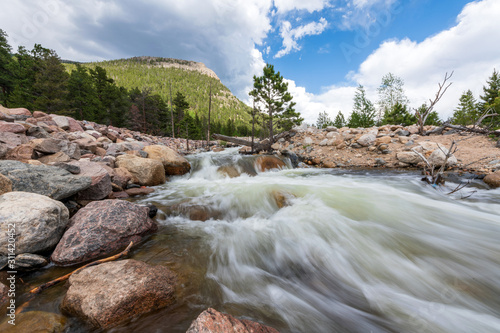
x,y
36,322
5,184
493,179
173,162
268,162
132,192
229,171
146,171
408,157
47,180
100,229
153,210
11,127
114,292
39,220
211,320
100,186
282,198
192,212
28,261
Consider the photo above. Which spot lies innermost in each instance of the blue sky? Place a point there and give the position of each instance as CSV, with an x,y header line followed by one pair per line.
x,y
324,48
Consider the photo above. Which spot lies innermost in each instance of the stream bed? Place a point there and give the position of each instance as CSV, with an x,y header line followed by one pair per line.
x,y
349,251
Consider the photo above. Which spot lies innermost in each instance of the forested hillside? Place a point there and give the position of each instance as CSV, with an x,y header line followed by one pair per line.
x,y
154,73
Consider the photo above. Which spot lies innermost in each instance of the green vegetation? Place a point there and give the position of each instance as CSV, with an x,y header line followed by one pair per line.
x,y
363,113
274,102
153,73
339,121
323,120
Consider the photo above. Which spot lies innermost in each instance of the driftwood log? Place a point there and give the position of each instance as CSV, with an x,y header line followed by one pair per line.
x,y
263,145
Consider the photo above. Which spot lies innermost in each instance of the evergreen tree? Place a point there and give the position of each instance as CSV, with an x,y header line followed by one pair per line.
x,y
83,103
180,108
24,70
51,83
363,114
467,112
391,93
491,98
398,115
432,118
272,97
6,64
323,120
339,121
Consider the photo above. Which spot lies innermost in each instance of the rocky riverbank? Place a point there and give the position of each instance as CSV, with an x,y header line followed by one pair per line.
x,y
60,181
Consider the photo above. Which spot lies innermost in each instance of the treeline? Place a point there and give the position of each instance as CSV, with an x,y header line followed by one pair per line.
x,y
36,79
393,107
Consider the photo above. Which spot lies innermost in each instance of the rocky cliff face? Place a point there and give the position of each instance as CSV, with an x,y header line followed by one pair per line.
x,y
180,64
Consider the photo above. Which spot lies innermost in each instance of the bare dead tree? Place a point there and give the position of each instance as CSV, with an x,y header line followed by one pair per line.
x,y
423,114
434,176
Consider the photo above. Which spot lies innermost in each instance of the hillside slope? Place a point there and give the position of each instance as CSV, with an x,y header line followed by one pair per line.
x,y
191,78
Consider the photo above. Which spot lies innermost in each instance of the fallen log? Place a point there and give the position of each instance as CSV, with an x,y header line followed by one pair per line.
x,y
256,146
474,129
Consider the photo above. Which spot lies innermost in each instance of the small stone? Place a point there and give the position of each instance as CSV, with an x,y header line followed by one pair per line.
x,y
380,161
27,261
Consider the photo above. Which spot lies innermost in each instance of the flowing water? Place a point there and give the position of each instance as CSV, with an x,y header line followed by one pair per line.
x,y
360,251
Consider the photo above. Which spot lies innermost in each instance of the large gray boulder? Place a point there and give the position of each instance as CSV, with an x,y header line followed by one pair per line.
x,y
113,292
145,171
39,222
52,146
100,229
51,181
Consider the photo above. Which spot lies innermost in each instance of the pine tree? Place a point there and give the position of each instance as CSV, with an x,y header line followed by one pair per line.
x,y
363,114
6,63
83,103
323,120
467,112
272,97
180,108
398,115
339,121
491,98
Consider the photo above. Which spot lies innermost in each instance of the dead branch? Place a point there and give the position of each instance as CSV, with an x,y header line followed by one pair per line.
x,y
422,116
436,178
65,277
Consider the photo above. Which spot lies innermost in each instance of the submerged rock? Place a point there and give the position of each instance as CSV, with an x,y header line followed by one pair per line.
x,y
493,179
214,321
39,221
268,162
100,229
36,322
110,293
229,171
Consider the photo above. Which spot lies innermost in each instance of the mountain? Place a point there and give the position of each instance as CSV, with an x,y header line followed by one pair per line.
x,y
191,78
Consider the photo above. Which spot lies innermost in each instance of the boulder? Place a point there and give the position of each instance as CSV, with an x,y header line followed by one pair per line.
x,y
438,157
61,121
35,322
268,162
51,181
367,140
173,162
87,144
4,294
46,146
214,321
408,157
282,198
146,171
39,114
121,177
37,132
132,192
58,157
5,184
493,179
12,127
22,152
39,221
101,180
12,140
74,126
114,292
308,141
100,229
3,150
15,111
383,140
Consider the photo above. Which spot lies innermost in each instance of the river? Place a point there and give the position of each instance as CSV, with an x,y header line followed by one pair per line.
x,y
351,251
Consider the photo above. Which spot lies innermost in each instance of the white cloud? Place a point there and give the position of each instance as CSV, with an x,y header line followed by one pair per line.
x,y
284,6
291,36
